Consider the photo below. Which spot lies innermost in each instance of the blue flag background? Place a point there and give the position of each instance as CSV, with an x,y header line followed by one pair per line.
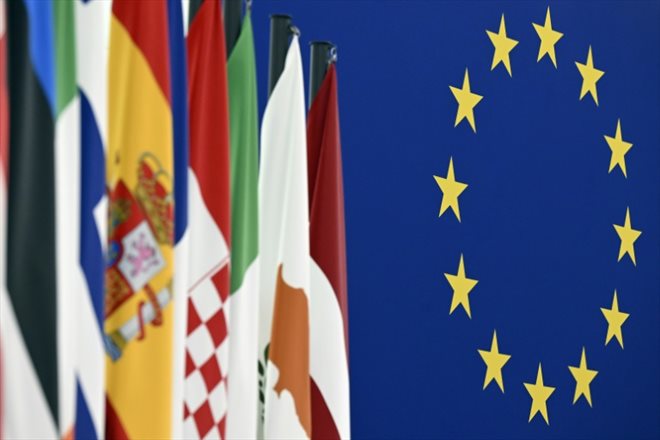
x,y
537,217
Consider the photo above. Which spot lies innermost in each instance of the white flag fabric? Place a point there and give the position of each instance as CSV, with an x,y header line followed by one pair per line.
x,y
92,44
284,256
81,216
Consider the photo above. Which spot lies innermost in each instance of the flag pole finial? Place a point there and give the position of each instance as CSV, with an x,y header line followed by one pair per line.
x,y
322,54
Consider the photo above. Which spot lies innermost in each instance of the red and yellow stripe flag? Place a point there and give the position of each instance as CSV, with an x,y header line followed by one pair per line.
x,y
138,305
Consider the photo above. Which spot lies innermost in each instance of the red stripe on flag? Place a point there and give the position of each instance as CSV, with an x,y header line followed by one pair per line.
x,y
209,114
326,191
4,107
4,144
146,23
113,427
323,425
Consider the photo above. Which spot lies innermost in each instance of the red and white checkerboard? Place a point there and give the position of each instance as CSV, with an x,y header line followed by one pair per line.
x,y
207,359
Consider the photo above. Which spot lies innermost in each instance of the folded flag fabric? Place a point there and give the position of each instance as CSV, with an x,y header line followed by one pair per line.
x,y
179,86
92,33
284,257
138,304
242,412
28,305
207,343
4,122
329,302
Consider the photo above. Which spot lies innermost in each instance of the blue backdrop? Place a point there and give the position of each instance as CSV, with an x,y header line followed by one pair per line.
x,y
537,216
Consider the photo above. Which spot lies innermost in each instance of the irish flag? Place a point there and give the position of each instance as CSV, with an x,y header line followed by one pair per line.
x,y
242,415
284,257
139,315
81,214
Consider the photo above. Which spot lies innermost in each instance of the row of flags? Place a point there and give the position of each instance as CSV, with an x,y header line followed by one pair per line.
x,y
169,267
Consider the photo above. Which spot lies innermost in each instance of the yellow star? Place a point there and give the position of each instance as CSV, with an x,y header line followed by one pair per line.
x,y
628,236
619,149
549,38
494,361
583,377
615,320
451,189
466,102
540,394
590,76
462,287
503,46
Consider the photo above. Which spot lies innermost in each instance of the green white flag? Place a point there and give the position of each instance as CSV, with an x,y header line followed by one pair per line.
x,y
243,406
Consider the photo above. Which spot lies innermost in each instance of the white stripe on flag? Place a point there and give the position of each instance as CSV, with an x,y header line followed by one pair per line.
x,y
70,281
23,389
328,360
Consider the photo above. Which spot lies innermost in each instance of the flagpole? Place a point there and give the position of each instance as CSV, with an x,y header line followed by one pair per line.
x,y
232,16
319,55
280,30
192,9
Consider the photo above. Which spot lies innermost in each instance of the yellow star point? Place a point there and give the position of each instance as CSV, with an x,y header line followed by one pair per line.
x,y
503,46
619,149
451,189
466,102
494,361
462,286
615,320
590,76
540,395
628,236
549,37
583,377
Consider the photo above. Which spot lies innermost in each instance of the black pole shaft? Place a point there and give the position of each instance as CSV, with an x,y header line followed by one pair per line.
x,y
280,30
318,66
193,7
232,17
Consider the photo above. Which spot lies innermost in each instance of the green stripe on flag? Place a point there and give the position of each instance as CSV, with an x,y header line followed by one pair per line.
x,y
244,133
65,53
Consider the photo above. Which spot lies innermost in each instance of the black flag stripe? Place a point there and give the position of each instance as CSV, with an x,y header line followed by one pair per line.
x,y
31,269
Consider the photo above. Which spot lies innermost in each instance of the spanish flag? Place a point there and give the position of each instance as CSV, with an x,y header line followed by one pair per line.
x,y
139,298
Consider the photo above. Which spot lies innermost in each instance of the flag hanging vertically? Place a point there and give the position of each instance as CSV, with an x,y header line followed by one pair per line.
x,y
4,121
207,344
284,256
92,32
70,281
242,413
329,303
138,307
28,305
179,84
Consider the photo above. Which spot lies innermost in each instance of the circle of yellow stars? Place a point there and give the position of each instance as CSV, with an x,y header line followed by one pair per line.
x,y
452,189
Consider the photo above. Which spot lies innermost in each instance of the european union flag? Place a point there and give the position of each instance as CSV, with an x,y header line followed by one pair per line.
x,y
529,307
